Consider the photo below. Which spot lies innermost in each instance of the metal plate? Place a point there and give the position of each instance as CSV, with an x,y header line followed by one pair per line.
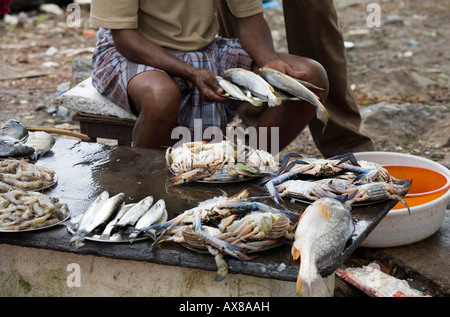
x,y
117,239
41,226
224,178
96,238
50,185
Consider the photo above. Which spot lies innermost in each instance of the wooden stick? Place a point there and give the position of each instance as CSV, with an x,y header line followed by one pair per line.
x,y
81,136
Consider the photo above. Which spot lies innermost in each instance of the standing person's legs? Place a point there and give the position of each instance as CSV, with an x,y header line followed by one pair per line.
x,y
312,31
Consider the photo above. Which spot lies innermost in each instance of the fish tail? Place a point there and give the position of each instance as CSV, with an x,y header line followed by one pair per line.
x,y
105,236
78,238
315,287
274,102
299,285
322,113
133,236
256,103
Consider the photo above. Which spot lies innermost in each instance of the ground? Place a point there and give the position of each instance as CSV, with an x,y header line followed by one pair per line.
x,y
404,59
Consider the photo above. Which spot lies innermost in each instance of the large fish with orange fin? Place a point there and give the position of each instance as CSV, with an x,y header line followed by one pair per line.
x,y
321,234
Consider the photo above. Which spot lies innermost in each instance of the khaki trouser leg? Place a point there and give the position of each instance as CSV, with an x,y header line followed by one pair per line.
x,y
312,31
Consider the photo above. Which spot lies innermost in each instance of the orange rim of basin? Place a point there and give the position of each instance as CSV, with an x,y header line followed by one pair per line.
x,y
427,185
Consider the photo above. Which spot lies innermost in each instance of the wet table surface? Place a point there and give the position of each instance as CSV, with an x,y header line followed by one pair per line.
x,y
84,170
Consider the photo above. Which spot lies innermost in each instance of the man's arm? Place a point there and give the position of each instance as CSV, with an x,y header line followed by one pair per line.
x,y
138,49
256,39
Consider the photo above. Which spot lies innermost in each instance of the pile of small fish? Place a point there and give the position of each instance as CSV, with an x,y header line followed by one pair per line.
x,y
20,174
221,225
258,88
222,161
21,210
109,219
17,141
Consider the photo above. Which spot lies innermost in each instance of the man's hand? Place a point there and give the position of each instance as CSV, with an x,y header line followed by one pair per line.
x,y
207,85
286,68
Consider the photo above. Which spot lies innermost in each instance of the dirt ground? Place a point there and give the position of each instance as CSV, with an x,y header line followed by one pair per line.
x,y
406,59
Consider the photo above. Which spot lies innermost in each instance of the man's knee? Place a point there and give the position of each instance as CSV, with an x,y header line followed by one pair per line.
x,y
319,77
156,91
315,73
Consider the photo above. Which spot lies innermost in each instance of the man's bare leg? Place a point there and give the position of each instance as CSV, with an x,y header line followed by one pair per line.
x,y
156,99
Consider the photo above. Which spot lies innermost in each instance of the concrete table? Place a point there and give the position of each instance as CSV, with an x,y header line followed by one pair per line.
x,y
44,263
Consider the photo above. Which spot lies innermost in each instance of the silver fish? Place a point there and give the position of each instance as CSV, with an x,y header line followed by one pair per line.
x,y
236,92
102,210
134,213
254,83
14,129
41,142
106,234
321,235
10,147
155,215
89,213
296,88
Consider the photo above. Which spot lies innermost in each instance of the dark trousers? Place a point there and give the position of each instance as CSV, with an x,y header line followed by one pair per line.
x,y
312,31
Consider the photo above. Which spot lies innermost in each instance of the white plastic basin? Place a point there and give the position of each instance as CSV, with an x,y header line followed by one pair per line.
x,y
399,227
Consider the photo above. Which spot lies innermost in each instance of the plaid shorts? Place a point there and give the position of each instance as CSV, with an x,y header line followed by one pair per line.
x,y
112,72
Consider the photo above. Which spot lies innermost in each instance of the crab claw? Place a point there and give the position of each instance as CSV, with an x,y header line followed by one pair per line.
x,y
266,208
185,177
219,244
222,265
285,161
346,157
270,186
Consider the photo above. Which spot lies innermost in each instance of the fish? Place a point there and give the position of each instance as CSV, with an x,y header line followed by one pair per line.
x,y
254,83
321,234
14,129
10,147
155,215
236,92
90,211
134,213
97,214
294,87
41,142
106,234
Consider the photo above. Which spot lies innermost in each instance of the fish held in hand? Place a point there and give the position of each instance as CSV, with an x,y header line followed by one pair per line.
x,y
236,92
254,83
296,88
322,233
